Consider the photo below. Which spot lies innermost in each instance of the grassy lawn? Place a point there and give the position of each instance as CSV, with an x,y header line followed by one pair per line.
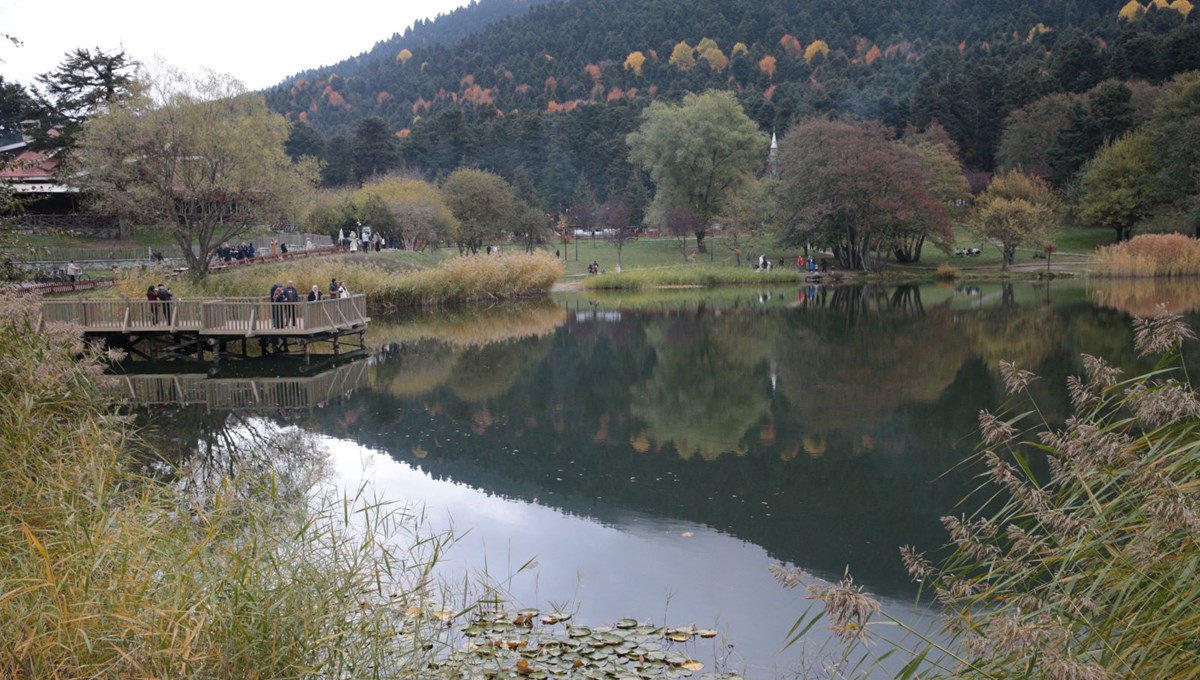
x,y
648,253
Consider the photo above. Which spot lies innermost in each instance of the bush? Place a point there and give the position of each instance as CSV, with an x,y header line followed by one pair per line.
x,y
1149,255
1088,567
947,272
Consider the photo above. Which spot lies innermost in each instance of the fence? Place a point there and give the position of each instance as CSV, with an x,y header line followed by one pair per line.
x,y
228,317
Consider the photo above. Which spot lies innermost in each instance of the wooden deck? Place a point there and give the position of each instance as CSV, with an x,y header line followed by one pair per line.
x,y
200,325
237,394
227,318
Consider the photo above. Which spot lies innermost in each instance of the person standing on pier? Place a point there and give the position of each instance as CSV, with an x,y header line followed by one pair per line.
x,y
278,298
164,302
292,296
152,298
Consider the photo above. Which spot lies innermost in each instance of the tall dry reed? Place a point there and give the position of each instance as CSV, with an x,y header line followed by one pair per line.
x,y
1149,255
453,281
108,573
1088,568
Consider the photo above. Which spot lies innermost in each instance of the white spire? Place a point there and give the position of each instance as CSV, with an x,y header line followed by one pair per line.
x,y
774,142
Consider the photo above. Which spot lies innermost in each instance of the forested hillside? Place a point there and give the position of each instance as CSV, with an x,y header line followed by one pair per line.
x,y
556,90
440,30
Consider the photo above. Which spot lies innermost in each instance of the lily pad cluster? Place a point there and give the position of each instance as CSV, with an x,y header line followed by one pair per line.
x,y
530,644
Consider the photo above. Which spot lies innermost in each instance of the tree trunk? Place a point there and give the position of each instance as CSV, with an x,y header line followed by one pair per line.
x,y
700,247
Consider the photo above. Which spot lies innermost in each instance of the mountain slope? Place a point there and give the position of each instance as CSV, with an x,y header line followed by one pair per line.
x,y
556,90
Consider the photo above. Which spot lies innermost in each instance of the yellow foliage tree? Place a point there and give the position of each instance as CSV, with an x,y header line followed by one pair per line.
x,y
683,57
817,47
1184,7
1161,4
1131,11
404,55
634,62
708,50
739,48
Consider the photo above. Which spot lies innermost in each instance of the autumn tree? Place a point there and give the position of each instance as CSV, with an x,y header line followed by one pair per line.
x,y
195,155
408,211
683,57
1016,209
482,202
1118,188
854,190
698,153
634,62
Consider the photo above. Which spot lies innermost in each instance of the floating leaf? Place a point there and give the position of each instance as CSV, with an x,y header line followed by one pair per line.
x,y
707,633
693,665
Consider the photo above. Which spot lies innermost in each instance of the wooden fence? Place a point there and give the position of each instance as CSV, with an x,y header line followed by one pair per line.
x,y
243,317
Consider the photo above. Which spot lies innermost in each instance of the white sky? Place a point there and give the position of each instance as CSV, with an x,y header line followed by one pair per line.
x,y
258,41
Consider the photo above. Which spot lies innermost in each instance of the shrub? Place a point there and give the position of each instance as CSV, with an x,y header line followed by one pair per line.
x,y
947,272
1087,569
1149,255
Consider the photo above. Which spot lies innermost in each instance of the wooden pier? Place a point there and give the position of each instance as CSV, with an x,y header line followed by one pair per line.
x,y
207,325
240,394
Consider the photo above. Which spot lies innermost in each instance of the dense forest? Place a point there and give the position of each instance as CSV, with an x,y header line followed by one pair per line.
x,y
553,89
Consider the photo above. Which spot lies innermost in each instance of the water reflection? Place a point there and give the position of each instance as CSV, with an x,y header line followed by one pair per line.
x,y
815,426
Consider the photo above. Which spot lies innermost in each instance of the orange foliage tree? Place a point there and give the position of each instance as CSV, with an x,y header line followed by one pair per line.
x,y
634,62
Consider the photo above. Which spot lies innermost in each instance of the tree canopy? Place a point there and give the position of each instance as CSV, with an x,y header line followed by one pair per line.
x,y
483,204
852,189
197,156
1016,209
699,154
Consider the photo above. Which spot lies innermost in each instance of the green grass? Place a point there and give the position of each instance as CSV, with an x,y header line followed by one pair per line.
x,y
701,275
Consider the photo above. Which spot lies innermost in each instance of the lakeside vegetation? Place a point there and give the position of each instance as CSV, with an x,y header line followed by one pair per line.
x,y
1086,568
1149,256
112,569
389,280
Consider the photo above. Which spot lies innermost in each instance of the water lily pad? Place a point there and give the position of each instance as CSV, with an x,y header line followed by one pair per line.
x,y
579,631
627,623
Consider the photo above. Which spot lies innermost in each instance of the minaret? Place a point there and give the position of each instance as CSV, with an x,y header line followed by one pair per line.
x,y
773,156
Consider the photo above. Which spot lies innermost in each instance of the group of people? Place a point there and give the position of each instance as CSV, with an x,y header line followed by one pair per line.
x,y
160,303
594,267
810,265
244,251
353,242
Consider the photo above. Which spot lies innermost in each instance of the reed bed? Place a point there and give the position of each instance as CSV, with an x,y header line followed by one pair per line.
x,y
1087,569
1149,255
106,572
697,276
453,281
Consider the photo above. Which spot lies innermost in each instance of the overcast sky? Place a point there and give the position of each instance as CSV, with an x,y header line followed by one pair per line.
x,y
257,41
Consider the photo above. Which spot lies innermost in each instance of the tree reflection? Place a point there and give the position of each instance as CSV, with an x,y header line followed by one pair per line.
x,y
205,450
703,394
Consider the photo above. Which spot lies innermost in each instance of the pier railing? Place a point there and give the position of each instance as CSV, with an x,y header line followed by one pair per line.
x,y
233,394
247,317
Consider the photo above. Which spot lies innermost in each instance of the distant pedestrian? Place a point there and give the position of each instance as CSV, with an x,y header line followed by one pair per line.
x,y
333,287
342,292
314,295
73,270
308,244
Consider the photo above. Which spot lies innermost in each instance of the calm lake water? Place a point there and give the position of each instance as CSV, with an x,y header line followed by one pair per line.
x,y
653,455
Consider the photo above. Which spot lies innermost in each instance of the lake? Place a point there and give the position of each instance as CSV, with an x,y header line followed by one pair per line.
x,y
652,455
